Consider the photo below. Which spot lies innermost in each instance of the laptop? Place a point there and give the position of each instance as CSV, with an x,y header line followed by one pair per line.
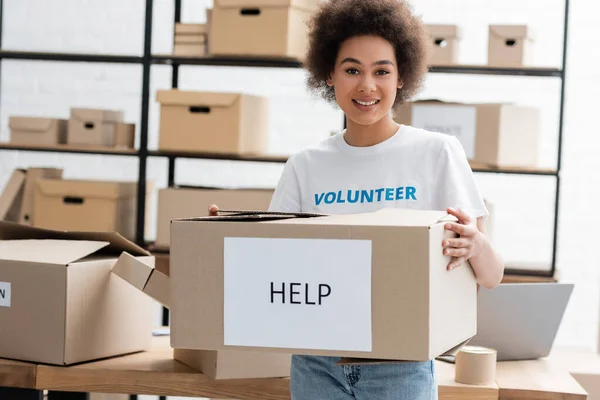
x,y
520,320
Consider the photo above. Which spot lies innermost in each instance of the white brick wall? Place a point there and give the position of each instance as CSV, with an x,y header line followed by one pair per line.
x,y
524,205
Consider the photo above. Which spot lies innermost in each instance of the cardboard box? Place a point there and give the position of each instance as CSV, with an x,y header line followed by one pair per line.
x,y
443,44
26,214
214,364
59,302
509,46
100,206
95,127
185,202
260,28
190,40
299,285
213,122
124,135
12,196
37,131
499,135
190,29
189,49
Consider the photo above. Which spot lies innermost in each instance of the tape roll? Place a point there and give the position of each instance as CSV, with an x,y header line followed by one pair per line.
x,y
475,365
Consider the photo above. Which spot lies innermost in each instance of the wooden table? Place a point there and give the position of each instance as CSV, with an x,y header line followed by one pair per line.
x,y
155,372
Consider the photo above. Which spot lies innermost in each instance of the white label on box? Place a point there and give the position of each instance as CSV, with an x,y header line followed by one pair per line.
x,y
459,121
4,294
298,293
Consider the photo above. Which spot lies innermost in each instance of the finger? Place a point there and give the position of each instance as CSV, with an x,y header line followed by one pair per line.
x,y
460,214
459,242
462,230
456,262
462,252
213,210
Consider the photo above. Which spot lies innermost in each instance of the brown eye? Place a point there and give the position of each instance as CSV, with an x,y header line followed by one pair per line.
x,y
382,72
352,71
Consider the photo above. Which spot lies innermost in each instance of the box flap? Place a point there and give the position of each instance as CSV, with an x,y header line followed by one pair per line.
x,y
97,115
306,4
31,124
509,31
442,31
200,99
51,251
117,243
143,277
11,192
78,190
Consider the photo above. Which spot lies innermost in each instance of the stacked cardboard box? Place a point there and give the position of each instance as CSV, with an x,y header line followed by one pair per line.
x,y
509,46
443,44
189,40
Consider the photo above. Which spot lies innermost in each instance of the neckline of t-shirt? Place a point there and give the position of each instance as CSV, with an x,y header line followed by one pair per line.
x,y
363,151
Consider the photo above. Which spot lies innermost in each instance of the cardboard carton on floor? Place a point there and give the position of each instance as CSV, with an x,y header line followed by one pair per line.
x,y
11,196
300,284
98,127
102,206
37,130
60,303
509,46
499,135
213,122
443,44
185,202
260,28
214,364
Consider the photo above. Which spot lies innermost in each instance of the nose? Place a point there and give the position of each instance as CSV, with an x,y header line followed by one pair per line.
x,y
366,84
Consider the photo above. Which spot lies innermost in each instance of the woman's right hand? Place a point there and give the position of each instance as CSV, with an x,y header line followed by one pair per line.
x,y
213,210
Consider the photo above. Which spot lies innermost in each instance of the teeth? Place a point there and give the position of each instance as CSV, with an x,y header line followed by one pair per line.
x,y
362,103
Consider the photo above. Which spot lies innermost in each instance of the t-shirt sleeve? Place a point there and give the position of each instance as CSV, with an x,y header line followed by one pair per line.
x,y
286,197
455,181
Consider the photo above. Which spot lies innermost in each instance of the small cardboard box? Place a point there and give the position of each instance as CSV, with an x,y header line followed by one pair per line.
x,y
498,135
214,364
26,214
187,202
189,49
443,44
282,283
95,127
260,28
37,131
100,206
213,122
189,29
11,197
509,46
189,40
124,135
59,302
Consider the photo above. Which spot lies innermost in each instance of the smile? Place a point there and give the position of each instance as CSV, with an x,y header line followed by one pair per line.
x,y
367,103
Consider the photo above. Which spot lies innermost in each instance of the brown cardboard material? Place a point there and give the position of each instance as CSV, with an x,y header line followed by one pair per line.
x,y
64,305
11,196
213,122
419,310
189,50
101,206
174,203
275,28
26,215
506,135
190,39
509,46
124,135
443,44
190,29
143,277
37,130
96,127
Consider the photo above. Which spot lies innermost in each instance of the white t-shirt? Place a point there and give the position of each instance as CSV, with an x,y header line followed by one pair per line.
x,y
414,168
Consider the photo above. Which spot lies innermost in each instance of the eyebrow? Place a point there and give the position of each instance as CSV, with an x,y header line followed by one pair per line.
x,y
355,61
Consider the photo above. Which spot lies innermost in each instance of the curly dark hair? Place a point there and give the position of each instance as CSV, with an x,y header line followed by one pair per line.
x,y
393,20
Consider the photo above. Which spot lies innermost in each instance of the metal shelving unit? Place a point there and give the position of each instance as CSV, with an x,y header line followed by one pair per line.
x,y
147,59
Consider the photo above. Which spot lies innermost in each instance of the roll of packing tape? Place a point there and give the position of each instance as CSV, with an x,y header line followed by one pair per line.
x,y
475,365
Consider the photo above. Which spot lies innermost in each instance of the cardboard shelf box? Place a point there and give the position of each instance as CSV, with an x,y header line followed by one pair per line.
x,y
59,302
37,130
189,40
498,135
226,364
443,44
260,28
299,284
510,46
99,127
187,202
213,122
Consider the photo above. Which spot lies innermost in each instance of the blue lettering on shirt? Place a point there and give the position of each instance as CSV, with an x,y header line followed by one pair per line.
x,y
367,196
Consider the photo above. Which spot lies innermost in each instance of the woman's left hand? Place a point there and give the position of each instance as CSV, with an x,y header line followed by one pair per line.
x,y
469,242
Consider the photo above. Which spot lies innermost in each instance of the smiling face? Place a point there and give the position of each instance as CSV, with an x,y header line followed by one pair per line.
x,y
365,79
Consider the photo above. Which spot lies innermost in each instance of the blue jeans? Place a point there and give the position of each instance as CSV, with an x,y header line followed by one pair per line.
x,y
319,378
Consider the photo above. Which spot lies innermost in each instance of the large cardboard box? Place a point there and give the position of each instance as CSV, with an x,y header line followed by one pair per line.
x,y
59,302
260,28
300,285
96,127
509,46
11,196
226,364
26,214
101,206
37,130
499,135
443,44
213,122
186,202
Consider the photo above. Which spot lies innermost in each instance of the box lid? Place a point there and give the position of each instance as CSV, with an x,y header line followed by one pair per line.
x,y
190,29
510,31
48,251
10,193
35,124
86,189
116,243
442,31
306,4
190,98
95,114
